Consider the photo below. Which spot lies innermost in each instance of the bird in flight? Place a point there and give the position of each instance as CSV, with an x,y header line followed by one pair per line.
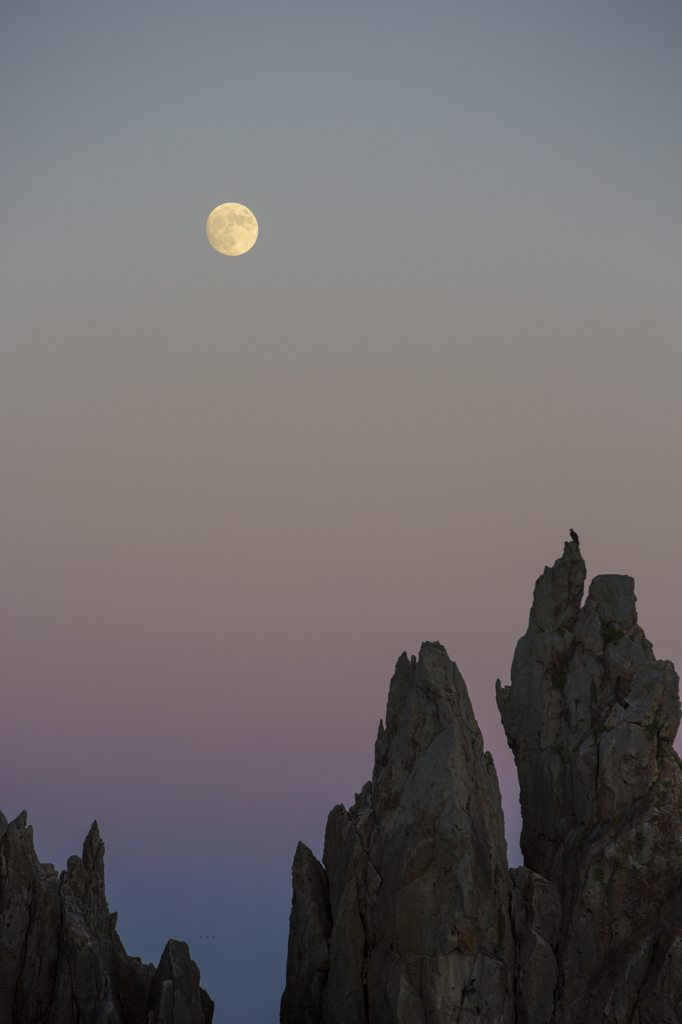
x,y
574,536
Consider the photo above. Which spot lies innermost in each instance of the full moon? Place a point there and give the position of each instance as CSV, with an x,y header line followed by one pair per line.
x,y
231,229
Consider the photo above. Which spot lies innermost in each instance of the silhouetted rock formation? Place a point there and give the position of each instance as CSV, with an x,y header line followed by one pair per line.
x,y
415,917
410,921
311,926
591,716
61,960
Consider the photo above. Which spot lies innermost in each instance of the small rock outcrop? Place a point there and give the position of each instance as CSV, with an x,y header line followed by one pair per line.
x,y
415,917
61,960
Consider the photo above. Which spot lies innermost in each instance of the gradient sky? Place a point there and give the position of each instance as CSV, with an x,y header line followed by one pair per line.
x,y
235,489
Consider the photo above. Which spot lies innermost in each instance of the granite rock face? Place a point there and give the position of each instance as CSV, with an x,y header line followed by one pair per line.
x,y
415,917
408,922
590,716
311,926
61,960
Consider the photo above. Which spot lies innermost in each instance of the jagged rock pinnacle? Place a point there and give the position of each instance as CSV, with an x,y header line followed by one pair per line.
x,y
590,716
415,919
414,894
61,960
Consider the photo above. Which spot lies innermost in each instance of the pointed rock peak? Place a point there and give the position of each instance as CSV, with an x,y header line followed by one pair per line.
x,y
413,918
409,922
183,999
423,699
20,837
435,664
614,600
60,957
399,691
305,860
93,853
558,592
310,926
175,959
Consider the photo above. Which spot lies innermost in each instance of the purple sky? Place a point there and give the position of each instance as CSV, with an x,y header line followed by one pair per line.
x,y
235,489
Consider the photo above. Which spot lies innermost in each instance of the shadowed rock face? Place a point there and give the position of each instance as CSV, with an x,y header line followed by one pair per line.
x,y
409,920
591,715
308,956
61,960
415,895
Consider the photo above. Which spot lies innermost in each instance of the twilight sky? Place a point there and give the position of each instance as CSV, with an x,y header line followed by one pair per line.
x,y
235,489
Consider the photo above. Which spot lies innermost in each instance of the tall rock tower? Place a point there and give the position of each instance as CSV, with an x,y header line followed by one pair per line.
x,y
408,921
591,715
415,918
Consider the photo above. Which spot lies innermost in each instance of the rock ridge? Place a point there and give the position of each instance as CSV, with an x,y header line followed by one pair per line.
x,y
414,917
61,959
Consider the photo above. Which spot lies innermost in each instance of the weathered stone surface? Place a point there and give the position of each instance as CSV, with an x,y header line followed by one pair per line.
x,y
61,960
417,871
591,715
309,930
427,925
536,919
176,996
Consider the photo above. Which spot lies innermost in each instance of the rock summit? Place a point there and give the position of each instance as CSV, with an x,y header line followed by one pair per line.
x,y
414,916
61,960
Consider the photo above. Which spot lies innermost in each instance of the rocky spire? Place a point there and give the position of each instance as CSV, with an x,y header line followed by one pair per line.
x,y
416,873
308,956
409,920
590,716
61,960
